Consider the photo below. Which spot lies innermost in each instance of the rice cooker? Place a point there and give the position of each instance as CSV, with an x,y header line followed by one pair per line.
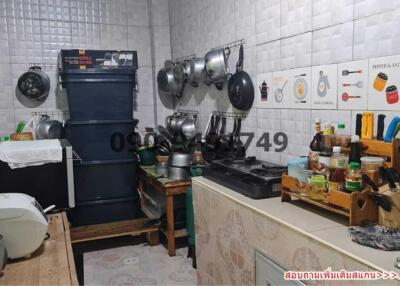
x,y
23,224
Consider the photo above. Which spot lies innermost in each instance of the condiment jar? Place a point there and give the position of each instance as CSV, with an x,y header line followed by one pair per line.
x,y
380,81
370,167
318,186
392,96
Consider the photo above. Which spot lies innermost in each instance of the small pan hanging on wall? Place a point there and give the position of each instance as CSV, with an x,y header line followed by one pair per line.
x,y
240,86
33,87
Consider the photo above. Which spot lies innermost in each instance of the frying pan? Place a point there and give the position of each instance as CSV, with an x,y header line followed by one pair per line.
x,y
240,86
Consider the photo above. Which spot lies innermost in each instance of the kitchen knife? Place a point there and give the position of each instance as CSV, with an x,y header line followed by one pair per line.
x,y
381,126
380,200
358,124
395,174
370,183
387,176
391,129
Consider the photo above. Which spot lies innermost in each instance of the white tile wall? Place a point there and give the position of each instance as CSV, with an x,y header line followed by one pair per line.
x,y
33,31
279,35
295,17
328,13
377,35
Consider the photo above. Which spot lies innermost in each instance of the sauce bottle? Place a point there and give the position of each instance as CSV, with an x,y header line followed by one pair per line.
x,y
354,178
355,149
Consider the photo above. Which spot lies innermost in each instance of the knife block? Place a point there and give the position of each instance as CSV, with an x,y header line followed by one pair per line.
x,y
390,150
390,219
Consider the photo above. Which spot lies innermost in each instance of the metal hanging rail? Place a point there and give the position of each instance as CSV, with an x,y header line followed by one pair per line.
x,y
188,111
233,45
230,114
189,57
51,66
51,113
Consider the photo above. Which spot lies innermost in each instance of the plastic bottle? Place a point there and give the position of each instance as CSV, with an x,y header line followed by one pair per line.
x,y
354,178
338,160
337,171
341,138
355,149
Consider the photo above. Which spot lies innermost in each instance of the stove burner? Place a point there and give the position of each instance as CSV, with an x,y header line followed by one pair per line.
x,y
242,161
268,171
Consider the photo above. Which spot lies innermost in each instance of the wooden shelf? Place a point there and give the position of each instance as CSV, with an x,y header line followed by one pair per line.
x,y
178,233
51,264
357,206
113,229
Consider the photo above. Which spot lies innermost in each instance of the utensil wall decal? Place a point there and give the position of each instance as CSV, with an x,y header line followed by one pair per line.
x,y
352,85
279,93
323,84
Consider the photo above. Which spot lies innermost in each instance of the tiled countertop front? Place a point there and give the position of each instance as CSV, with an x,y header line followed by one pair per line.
x,y
313,222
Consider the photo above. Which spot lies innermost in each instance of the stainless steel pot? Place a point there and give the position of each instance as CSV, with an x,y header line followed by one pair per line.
x,y
216,65
170,78
3,255
48,128
179,160
186,69
189,128
197,71
178,173
162,168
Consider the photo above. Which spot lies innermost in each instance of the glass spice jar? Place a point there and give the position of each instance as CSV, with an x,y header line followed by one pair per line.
x,y
380,81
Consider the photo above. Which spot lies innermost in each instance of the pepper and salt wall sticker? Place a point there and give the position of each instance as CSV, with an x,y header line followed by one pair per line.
x,y
352,85
263,90
281,89
384,80
300,91
324,87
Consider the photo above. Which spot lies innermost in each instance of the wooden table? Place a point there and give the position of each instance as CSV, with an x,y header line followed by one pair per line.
x,y
52,264
169,188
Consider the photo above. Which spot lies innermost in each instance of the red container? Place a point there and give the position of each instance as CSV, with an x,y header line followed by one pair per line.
x,y
392,95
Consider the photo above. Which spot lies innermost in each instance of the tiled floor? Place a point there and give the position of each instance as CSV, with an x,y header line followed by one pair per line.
x,y
138,265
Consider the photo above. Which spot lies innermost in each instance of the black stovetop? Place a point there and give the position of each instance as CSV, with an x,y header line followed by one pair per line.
x,y
249,176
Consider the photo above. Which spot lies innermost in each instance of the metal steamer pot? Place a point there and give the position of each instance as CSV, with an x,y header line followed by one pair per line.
x,y
216,65
178,173
170,78
48,128
179,160
197,72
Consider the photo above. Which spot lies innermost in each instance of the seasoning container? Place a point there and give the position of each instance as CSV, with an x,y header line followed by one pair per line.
x,y
341,138
354,178
338,160
318,185
392,96
327,141
317,125
370,167
380,81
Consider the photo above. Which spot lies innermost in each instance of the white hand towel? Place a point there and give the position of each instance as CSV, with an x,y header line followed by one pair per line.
x,y
19,154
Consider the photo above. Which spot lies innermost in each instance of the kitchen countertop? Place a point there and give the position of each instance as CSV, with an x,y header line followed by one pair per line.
x,y
325,227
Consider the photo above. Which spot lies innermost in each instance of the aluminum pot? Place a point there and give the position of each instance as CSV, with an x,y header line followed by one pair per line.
x,y
162,168
3,255
176,123
186,69
216,65
178,173
189,128
170,79
48,128
179,160
197,71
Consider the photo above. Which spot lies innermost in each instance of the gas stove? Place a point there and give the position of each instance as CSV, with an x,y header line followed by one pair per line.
x,y
249,176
